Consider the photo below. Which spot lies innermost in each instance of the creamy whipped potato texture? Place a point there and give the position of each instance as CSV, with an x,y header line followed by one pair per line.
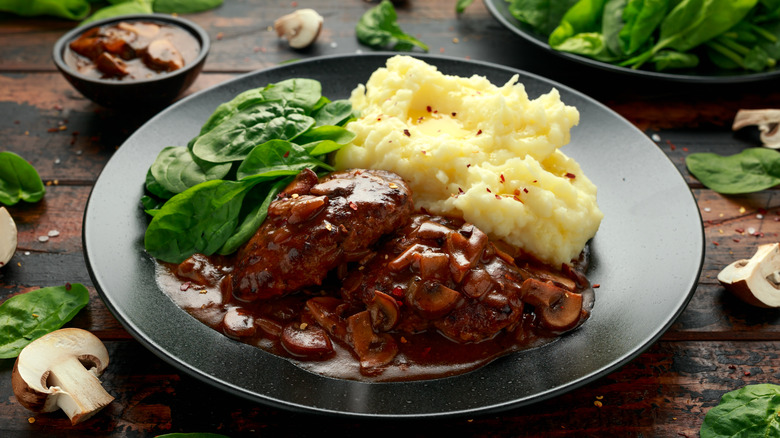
x,y
469,148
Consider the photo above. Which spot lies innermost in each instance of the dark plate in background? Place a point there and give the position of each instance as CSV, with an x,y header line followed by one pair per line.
x,y
701,74
647,257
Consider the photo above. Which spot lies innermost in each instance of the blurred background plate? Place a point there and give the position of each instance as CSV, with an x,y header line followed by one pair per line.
x,y
701,74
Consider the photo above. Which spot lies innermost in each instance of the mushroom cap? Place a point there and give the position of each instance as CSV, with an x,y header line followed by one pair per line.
x,y
756,281
300,28
7,237
34,365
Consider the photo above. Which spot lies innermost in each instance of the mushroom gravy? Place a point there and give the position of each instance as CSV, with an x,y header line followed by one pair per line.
x,y
127,51
430,298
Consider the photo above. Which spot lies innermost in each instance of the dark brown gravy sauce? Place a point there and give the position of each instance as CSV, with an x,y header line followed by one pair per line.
x,y
128,51
425,355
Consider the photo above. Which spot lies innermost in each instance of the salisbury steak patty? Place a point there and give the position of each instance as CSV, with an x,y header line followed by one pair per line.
x,y
316,226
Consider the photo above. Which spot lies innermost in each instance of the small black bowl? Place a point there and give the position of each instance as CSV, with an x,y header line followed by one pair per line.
x,y
151,93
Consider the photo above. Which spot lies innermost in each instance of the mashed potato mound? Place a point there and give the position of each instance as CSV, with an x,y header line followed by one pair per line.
x,y
469,148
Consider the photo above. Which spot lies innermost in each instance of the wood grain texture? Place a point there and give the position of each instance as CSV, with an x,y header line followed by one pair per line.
x,y
716,345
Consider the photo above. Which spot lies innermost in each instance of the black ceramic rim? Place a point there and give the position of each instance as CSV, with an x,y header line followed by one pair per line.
x,y
198,32
647,256
500,10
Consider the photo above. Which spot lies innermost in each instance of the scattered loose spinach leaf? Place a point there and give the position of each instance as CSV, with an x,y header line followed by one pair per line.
x,y
19,181
751,411
751,170
461,5
28,316
378,28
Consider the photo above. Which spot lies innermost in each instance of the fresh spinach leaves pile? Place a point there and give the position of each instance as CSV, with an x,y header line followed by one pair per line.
x,y
19,181
751,411
211,196
666,34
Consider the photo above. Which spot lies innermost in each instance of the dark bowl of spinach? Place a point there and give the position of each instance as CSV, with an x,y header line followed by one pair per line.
x,y
123,73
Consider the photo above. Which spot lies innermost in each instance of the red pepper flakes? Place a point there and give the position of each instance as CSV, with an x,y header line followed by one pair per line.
x,y
479,132
468,165
397,291
525,190
184,286
454,114
735,240
353,206
570,175
671,145
596,285
501,177
747,373
685,149
426,351
399,302
716,243
286,154
739,230
498,197
220,35
517,199
460,191
68,286
428,108
488,189
407,133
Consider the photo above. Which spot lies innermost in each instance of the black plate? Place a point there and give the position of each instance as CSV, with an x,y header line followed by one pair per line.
x,y
702,74
647,258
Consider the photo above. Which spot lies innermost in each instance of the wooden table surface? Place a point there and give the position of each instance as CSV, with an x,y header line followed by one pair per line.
x,y
718,344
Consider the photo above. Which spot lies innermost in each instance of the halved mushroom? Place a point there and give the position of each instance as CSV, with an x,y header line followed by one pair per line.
x,y
757,280
306,340
300,28
557,308
7,237
374,350
238,324
384,311
162,55
767,120
60,370
327,312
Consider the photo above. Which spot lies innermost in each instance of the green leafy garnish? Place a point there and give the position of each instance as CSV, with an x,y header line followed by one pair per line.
x,y
211,196
19,181
378,28
751,411
751,170
28,316
461,5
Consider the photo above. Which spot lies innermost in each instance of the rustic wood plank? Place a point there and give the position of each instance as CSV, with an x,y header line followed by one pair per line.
x,y
664,392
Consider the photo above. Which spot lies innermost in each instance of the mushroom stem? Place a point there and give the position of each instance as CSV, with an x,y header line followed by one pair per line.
x,y
78,391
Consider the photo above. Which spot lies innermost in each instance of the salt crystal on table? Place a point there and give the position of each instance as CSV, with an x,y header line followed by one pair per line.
x,y
54,233
43,238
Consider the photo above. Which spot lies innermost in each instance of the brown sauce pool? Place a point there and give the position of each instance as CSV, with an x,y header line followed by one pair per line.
x,y
200,286
128,51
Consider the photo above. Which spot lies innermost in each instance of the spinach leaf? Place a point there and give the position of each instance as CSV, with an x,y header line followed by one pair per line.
x,y
751,170
28,316
256,202
184,6
155,188
198,220
751,411
19,181
461,5
612,23
580,31
378,28
542,15
336,134
299,92
235,137
176,170
70,9
278,158
125,8
231,107
333,113
670,59
642,18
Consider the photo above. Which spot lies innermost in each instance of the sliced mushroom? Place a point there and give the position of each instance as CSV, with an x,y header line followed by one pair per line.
x,y
7,237
767,120
306,340
238,324
301,28
162,55
384,311
757,280
60,370
374,350
327,312
557,308
111,65
433,300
